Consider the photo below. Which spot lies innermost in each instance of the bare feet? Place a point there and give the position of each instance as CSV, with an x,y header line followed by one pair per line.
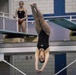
x,y
35,5
31,5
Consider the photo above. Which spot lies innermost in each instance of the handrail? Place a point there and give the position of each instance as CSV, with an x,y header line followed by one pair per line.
x,y
8,17
6,13
30,18
14,67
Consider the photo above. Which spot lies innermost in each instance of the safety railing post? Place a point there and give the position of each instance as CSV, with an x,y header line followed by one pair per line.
x,y
70,18
26,25
17,23
3,21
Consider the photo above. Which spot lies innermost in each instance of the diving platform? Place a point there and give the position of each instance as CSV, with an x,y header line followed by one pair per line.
x,y
13,36
28,47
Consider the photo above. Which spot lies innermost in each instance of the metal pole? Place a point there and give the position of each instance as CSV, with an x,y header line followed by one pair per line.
x,y
14,67
70,18
3,21
17,23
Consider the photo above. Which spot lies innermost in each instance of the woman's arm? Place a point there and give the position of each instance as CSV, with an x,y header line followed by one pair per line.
x,y
36,59
46,60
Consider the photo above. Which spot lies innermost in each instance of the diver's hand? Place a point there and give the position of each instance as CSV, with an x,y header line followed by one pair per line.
x,y
40,71
37,69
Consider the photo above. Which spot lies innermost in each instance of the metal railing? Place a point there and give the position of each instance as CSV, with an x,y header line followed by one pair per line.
x,y
5,16
3,60
10,16
14,67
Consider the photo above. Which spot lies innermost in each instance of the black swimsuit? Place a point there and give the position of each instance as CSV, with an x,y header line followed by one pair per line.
x,y
43,41
21,14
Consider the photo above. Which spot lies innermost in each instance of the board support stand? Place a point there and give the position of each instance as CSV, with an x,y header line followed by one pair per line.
x,y
72,35
3,60
20,39
12,40
1,57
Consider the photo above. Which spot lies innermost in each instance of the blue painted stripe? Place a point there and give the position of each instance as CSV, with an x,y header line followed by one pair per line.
x,y
30,17
70,13
45,15
60,63
59,7
60,60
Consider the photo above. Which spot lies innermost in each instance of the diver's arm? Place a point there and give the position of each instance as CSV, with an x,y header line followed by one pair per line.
x,y
36,59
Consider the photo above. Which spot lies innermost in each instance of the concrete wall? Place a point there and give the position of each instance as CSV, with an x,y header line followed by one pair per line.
x,y
46,6
70,6
4,5
4,68
26,62
70,57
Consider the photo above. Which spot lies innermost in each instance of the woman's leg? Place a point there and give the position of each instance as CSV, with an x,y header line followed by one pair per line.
x,y
44,24
37,23
23,26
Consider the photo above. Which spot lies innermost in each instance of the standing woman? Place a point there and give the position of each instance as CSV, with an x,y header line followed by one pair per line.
x,y
43,30
22,16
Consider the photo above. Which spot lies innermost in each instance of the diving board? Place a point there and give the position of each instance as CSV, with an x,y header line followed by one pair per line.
x,y
64,23
15,34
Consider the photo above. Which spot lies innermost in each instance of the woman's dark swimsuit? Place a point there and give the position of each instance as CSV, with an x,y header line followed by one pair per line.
x,y
21,14
43,41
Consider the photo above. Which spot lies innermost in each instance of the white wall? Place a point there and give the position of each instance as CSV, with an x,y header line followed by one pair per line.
x,y
26,64
70,6
4,5
46,6
70,58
